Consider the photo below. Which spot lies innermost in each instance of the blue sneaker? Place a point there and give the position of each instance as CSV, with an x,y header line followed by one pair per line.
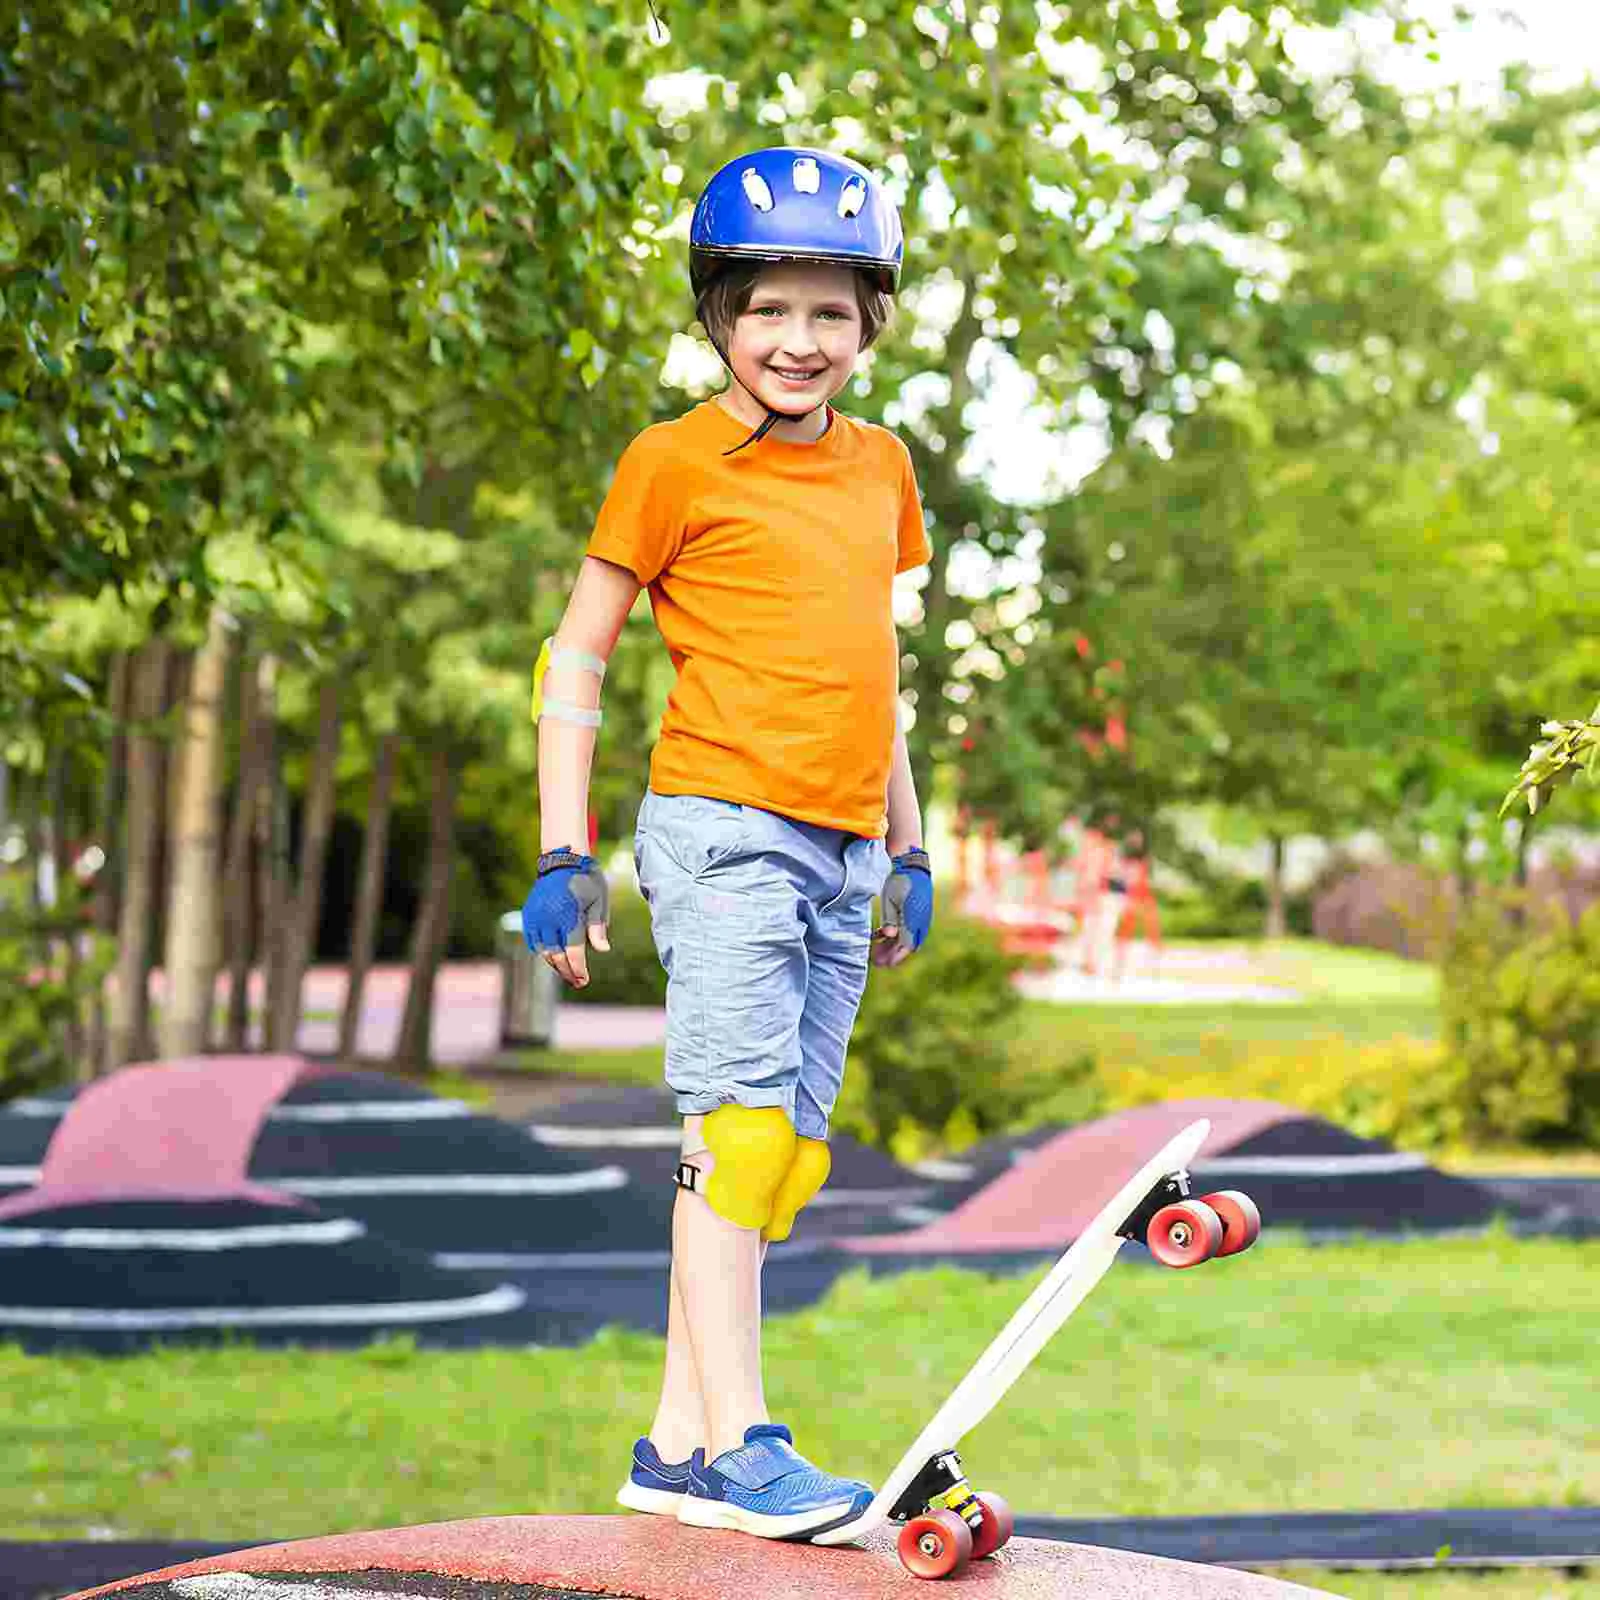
x,y
654,1484
766,1487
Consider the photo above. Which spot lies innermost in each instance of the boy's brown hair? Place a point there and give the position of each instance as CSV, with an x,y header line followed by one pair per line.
x,y
727,298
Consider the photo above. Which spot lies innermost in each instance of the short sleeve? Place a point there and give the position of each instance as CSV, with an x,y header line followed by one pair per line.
x,y
915,551
641,521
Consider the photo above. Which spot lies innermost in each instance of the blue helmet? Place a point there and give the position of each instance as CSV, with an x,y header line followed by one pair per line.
x,y
793,204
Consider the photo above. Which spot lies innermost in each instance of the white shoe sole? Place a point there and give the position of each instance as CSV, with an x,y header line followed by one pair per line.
x,y
698,1512
662,1502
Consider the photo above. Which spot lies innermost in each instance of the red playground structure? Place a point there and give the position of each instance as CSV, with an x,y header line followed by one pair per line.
x,y
1036,907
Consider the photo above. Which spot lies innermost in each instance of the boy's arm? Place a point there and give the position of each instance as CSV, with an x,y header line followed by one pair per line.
x,y
601,600
905,815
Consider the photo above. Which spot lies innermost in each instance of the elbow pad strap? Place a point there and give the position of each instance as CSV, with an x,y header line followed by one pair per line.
x,y
551,653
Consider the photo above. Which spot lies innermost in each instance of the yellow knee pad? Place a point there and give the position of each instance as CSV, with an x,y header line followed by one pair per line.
x,y
763,1173
807,1173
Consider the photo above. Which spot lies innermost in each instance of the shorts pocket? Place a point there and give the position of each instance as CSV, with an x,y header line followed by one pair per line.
x,y
696,832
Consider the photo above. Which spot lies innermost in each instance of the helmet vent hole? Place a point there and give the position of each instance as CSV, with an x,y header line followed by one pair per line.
x,y
807,178
853,198
756,190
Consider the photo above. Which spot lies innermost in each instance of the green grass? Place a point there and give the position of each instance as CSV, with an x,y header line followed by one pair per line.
x,y
1456,1373
1510,1583
1372,1375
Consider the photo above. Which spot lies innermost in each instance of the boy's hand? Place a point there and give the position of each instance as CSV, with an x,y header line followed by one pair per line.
x,y
569,897
907,909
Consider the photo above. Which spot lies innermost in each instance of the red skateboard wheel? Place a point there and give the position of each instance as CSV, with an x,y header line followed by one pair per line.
x,y
935,1545
1184,1234
1241,1221
996,1527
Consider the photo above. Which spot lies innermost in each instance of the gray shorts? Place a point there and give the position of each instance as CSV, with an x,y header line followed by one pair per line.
x,y
763,925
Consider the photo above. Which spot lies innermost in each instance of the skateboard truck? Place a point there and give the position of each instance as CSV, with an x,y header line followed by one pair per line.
x,y
1174,1186
941,1475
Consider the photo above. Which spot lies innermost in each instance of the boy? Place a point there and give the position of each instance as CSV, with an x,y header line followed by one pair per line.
x,y
770,561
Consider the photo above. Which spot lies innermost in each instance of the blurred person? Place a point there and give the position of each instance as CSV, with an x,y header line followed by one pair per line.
x,y
780,787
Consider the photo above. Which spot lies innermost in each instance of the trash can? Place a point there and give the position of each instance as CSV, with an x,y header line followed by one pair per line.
x,y
529,987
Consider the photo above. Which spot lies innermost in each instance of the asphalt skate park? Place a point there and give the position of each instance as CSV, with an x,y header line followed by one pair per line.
x,y
305,1203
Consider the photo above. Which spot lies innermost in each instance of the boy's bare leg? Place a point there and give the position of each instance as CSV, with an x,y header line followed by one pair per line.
x,y
713,1324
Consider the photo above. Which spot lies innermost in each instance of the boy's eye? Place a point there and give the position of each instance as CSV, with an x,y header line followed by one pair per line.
x,y
761,309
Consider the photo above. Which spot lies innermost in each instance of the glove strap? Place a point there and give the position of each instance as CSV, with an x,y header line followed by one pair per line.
x,y
566,856
917,858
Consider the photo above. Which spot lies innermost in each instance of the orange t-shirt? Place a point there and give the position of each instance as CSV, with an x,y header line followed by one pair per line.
x,y
771,576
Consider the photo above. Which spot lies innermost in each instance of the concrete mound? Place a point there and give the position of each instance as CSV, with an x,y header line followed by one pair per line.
x,y
655,1558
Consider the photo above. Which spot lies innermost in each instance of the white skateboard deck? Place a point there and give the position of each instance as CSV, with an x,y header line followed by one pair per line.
x,y
1012,1350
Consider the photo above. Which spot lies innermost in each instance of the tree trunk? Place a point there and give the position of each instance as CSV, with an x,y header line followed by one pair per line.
x,y
306,909
369,893
1277,922
107,891
33,838
272,847
432,928
238,878
63,897
194,922
128,1034
1519,876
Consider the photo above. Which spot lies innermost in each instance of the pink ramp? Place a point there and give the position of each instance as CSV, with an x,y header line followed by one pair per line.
x,y
170,1130
657,1558
1046,1200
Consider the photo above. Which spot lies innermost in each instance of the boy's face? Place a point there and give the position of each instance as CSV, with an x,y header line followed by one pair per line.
x,y
801,317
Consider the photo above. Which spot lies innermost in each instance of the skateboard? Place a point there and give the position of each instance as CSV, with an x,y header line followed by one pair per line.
x,y
946,1524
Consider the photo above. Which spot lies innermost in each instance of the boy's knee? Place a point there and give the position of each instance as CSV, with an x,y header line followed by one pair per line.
x,y
752,1150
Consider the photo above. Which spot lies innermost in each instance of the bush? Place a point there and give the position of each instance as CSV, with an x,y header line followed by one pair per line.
x,y
1520,1012
40,998
1398,906
630,974
931,1062
1229,908
1402,1090
1411,910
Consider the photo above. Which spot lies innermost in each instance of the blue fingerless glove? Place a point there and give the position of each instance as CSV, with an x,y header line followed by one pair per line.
x,y
569,889
908,899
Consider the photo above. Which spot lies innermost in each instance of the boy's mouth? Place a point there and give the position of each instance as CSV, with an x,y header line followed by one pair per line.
x,y
798,374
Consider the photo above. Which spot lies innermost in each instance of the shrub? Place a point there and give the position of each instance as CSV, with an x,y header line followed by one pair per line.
x,y
1398,906
630,974
40,998
1520,1009
1411,910
1402,1090
931,1062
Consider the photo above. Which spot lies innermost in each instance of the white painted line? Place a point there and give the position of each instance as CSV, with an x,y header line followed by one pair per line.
x,y
950,1171
494,1303
247,1586
592,1260
441,1183
22,1177
35,1108
1314,1166
555,1133
338,1230
372,1111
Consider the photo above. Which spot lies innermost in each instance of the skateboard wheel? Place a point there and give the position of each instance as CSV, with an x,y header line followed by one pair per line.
x,y
935,1544
1241,1221
995,1529
1184,1234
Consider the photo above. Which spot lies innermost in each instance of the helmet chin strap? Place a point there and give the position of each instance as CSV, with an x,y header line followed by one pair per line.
x,y
773,417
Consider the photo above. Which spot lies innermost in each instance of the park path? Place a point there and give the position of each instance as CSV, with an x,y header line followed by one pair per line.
x,y
466,1019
